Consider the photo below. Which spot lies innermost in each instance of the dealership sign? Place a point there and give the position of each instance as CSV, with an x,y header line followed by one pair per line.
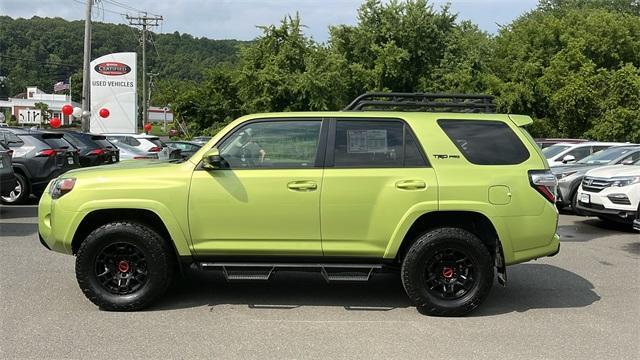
x,y
113,87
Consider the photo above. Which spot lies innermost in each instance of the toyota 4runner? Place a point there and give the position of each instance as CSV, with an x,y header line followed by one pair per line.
x,y
447,195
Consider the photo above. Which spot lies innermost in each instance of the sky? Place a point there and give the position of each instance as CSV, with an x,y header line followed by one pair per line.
x,y
237,19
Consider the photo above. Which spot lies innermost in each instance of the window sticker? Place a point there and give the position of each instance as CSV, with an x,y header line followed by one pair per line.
x,y
366,141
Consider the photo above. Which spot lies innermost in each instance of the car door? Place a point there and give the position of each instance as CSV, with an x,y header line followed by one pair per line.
x,y
375,172
266,198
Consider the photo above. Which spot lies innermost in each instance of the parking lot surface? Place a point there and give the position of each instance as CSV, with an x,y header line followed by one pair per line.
x,y
582,304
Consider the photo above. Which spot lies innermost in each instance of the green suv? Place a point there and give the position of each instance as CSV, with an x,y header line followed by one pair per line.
x,y
446,194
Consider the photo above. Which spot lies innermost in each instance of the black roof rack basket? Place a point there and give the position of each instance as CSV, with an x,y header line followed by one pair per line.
x,y
391,101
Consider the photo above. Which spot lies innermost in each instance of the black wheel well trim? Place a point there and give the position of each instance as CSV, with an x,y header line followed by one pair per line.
x,y
476,223
19,168
97,218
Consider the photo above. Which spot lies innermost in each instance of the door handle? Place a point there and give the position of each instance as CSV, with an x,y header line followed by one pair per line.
x,y
411,184
302,185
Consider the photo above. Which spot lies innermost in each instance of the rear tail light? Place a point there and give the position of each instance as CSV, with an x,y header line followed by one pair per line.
x,y
46,153
61,187
545,183
96,152
155,149
10,152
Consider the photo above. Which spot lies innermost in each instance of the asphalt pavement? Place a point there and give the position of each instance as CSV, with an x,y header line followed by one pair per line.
x,y
582,304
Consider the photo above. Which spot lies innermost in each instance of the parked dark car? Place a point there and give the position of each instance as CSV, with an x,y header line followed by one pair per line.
x,y
187,148
94,149
7,175
570,176
546,142
38,157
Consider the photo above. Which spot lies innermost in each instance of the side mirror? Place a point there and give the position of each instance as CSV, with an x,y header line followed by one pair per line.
x,y
568,159
628,162
212,160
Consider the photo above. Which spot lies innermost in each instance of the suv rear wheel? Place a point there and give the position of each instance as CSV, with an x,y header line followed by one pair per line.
x,y
447,272
20,193
124,266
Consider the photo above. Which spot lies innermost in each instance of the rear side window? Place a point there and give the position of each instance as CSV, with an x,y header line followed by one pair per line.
x,y
375,144
75,142
485,142
11,139
157,142
57,143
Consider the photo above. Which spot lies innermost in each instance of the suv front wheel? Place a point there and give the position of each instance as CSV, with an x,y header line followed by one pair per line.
x,y
124,266
447,272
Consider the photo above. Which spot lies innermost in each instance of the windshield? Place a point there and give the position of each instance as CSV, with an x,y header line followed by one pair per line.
x,y
605,156
554,150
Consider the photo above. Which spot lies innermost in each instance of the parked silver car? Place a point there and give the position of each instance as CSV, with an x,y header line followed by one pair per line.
x,y
128,152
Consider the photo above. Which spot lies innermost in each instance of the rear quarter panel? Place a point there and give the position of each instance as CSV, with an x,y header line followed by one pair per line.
x,y
527,221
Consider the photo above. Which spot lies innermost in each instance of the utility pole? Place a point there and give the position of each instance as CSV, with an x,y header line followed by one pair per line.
x,y
144,21
86,73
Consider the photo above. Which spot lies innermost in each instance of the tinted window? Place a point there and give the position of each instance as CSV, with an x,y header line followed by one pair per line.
x,y
157,142
131,141
57,143
75,142
12,140
272,144
485,142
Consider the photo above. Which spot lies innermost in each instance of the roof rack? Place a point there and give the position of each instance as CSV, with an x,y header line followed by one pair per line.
x,y
465,103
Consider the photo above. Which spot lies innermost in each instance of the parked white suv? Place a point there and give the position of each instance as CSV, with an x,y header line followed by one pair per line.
x,y
144,142
611,192
568,153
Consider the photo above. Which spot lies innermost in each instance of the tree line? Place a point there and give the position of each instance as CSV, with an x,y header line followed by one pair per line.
x,y
573,65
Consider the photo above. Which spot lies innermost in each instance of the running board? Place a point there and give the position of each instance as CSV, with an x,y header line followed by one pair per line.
x,y
263,271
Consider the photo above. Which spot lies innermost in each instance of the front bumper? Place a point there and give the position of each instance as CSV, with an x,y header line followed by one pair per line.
x,y
600,204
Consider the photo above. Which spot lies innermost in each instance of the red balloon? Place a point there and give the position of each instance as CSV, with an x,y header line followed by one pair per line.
x,y
148,127
67,109
104,113
55,122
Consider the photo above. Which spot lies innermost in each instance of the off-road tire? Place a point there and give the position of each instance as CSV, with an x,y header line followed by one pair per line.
x,y
414,271
160,264
24,192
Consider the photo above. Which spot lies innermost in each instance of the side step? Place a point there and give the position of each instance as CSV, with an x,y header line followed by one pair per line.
x,y
263,271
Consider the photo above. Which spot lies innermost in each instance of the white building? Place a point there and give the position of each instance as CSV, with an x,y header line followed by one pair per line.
x,y
27,101
159,115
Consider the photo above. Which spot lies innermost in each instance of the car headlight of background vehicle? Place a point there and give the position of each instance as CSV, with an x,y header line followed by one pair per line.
x,y
625,181
61,186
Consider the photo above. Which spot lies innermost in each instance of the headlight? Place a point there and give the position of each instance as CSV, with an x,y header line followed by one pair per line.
x,y
565,174
62,186
625,181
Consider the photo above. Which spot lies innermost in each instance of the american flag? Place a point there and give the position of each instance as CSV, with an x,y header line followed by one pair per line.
x,y
61,85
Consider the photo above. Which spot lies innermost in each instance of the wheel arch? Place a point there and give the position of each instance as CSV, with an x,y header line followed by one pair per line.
x,y
475,222
99,217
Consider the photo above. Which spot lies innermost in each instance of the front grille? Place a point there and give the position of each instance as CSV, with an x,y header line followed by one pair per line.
x,y
595,185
